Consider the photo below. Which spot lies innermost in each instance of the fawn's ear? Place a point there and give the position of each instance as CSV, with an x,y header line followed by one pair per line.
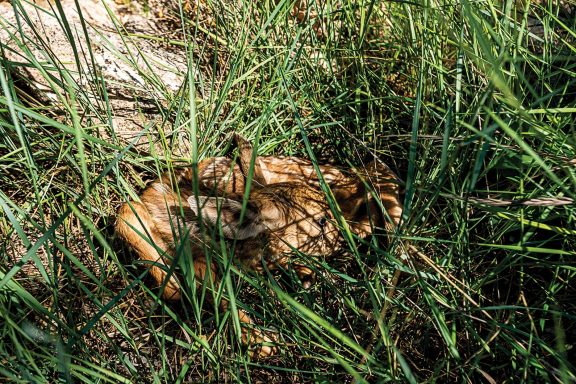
x,y
246,152
227,213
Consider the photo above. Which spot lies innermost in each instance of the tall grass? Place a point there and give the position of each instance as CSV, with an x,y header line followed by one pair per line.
x,y
472,103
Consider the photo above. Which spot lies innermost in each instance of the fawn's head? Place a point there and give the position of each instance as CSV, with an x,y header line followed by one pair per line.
x,y
278,219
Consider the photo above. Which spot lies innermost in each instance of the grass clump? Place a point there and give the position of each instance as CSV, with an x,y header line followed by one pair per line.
x,y
472,103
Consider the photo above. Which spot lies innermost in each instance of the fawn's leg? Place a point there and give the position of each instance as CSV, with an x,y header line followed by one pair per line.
x,y
246,150
136,227
250,336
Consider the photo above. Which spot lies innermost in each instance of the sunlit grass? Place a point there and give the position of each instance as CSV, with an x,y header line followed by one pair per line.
x,y
466,101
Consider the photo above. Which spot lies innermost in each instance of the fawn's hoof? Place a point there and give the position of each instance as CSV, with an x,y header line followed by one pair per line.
x,y
261,344
306,275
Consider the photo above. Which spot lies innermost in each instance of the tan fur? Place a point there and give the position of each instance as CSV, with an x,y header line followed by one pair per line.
x,y
286,211
368,198
352,189
358,192
279,219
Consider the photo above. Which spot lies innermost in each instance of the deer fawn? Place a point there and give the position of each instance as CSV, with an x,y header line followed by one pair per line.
x,y
278,219
357,191
286,211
